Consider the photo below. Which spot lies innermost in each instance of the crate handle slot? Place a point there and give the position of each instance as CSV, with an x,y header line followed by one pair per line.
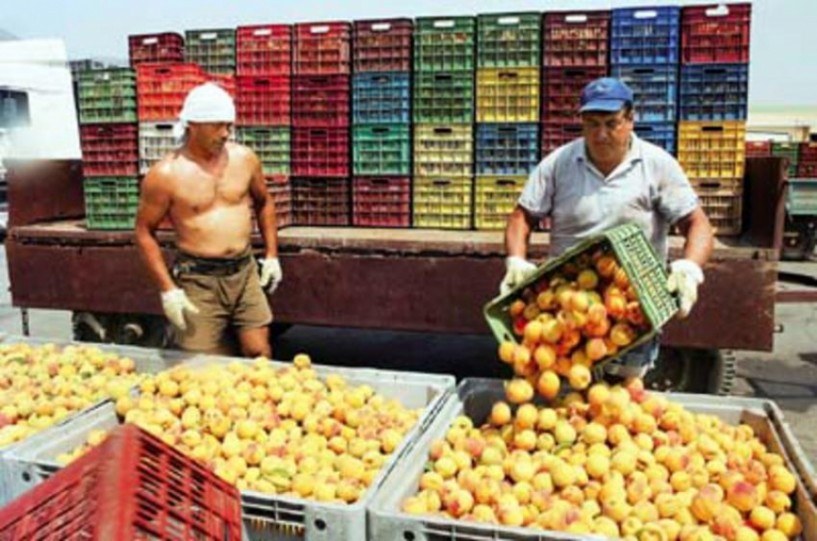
x,y
508,20
380,129
162,71
508,75
150,41
645,129
441,182
261,82
442,77
505,182
645,14
319,29
572,129
381,27
262,131
443,130
507,129
319,80
262,32
164,126
712,128
644,71
575,72
576,18
382,79
380,181
710,184
714,70
208,36
720,11
444,23
318,133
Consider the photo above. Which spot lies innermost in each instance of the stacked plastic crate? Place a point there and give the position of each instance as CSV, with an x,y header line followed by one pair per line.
x,y
110,147
507,112
381,123
644,53
321,105
713,108
263,105
791,152
574,52
443,113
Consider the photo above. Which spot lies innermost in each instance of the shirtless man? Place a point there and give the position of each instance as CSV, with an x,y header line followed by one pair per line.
x,y
206,188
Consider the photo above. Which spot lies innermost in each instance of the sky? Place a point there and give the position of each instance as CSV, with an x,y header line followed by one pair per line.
x,y
783,66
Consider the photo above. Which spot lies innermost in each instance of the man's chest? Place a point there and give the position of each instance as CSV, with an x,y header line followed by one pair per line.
x,y
201,191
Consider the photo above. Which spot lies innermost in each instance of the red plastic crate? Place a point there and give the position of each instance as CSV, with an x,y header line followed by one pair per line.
x,y
808,152
132,486
165,47
320,152
280,188
264,49
575,38
263,101
227,82
556,135
110,149
758,149
322,48
562,88
320,201
382,45
381,201
161,89
807,170
320,101
715,33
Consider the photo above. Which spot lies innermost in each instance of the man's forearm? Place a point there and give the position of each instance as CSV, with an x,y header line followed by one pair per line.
x,y
699,240
517,235
151,254
268,226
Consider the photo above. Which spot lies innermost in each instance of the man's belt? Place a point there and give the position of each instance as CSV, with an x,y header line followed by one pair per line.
x,y
212,266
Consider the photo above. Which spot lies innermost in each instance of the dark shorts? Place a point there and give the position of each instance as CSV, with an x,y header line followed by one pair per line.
x,y
227,293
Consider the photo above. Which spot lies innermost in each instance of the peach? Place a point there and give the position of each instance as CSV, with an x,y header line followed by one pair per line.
x,y
458,503
780,478
727,521
606,266
620,279
526,416
668,505
522,470
506,351
789,524
519,391
624,462
762,518
587,279
412,505
596,313
562,474
598,394
563,366
595,349
579,357
616,508
533,331
531,311
778,501
622,334
446,467
594,433
500,414
511,515
546,300
606,527
707,502
484,513
635,314
597,330
579,377
773,535
547,385
525,439
742,496
552,331
545,356
745,533
564,433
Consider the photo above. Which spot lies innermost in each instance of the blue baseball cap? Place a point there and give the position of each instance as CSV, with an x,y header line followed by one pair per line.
x,y
606,94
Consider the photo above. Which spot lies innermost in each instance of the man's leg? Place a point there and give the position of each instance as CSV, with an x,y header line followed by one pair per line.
x,y
255,342
206,330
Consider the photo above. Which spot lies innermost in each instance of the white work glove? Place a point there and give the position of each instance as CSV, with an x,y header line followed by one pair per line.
x,y
517,270
684,278
174,303
271,273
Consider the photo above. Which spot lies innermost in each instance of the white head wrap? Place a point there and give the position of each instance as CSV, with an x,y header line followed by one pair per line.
x,y
205,103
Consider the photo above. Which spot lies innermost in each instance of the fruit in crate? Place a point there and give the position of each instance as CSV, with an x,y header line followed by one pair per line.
x,y
583,313
616,461
276,430
42,385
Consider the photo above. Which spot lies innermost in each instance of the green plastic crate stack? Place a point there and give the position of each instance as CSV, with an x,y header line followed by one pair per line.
x,y
443,101
272,144
646,273
381,149
111,202
801,197
213,50
107,96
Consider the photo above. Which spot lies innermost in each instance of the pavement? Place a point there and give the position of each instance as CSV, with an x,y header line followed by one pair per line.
x,y
787,375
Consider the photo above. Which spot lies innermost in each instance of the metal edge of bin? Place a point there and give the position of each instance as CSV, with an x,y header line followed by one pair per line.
x,y
388,523
33,462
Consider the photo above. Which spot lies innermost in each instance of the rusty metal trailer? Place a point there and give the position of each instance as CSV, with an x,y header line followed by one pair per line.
x,y
412,279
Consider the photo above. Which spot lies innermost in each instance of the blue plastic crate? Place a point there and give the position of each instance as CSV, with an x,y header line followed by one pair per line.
x,y
507,149
381,98
655,89
714,91
648,35
658,133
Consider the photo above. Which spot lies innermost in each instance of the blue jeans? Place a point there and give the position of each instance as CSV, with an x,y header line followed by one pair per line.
x,y
637,362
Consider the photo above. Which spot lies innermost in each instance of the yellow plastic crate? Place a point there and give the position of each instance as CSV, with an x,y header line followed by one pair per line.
x,y
724,209
712,149
508,95
444,150
443,203
494,199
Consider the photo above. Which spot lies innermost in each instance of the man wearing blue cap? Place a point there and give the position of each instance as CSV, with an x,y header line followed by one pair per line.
x,y
606,178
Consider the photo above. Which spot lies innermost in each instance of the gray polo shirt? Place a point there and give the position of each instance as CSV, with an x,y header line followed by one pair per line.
x,y
648,188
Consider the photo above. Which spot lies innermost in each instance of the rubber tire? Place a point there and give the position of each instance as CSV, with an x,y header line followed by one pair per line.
x,y
801,248
155,331
689,370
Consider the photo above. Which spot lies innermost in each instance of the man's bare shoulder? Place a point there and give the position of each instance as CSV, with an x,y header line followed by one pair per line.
x,y
163,172
241,152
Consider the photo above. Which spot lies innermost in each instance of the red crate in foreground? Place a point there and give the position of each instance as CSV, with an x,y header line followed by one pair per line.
x,y
381,201
132,486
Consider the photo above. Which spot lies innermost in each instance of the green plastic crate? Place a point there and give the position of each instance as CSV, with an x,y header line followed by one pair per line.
x,y
801,197
635,254
443,97
111,202
382,149
271,144
213,50
444,44
107,96
791,151
506,40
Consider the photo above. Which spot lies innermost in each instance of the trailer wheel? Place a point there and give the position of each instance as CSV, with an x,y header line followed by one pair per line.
x,y
126,329
689,370
799,239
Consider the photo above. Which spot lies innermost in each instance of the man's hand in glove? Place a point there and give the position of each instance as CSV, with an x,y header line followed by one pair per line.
x,y
174,303
271,273
685,277
517,270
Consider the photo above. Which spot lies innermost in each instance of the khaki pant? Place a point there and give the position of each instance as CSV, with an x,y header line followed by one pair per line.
x,y
224,300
